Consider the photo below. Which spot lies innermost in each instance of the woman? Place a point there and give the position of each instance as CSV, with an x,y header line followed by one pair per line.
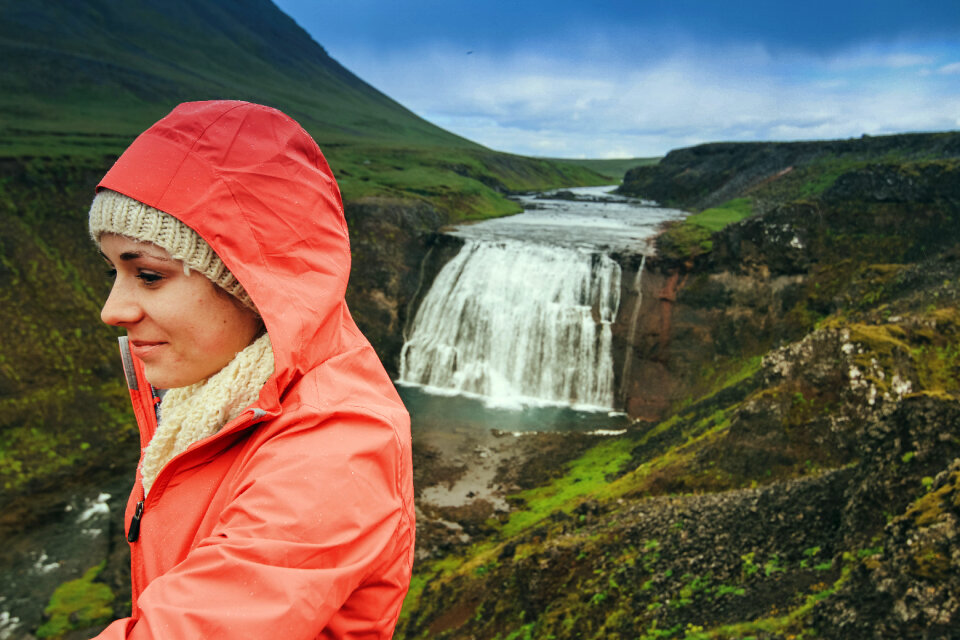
x,y
274,496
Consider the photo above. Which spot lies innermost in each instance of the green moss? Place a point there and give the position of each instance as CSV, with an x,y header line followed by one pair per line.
x,y
523,633
588,475
727,373
920,348
49,431
792,622
682,241
937,352
933,506
886,339
77,604
821,174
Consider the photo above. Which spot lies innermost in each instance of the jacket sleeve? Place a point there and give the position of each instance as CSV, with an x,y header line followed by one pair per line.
x,y
318,517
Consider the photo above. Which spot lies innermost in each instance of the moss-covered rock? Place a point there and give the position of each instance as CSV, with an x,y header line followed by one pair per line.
x,y
78,604
911,589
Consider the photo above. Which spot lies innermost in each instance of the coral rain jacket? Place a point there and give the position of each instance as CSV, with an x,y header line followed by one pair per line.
x,y
296,519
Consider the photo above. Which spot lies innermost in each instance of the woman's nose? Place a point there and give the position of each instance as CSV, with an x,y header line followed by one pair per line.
x,y
121,307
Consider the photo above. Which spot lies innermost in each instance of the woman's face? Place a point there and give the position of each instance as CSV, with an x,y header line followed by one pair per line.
x,y
182,327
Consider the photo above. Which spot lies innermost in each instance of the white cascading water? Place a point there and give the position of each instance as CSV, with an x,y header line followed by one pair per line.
x,y
518,322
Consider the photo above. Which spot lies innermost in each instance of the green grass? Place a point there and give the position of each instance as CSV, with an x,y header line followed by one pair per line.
x,y
822,174
691,237
253,52
613,168
466,184
159,58
590,475
716,218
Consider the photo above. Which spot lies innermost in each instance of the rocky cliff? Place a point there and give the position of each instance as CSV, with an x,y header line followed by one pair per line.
x,y
825,235
709,174
794,471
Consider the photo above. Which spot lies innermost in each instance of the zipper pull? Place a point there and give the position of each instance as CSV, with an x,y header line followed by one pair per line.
x,y
135,523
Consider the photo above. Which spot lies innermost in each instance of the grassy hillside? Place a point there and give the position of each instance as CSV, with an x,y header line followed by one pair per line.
x,y
84,79
710,174
102,69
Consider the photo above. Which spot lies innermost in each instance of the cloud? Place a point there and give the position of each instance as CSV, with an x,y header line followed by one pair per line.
x,y
552,101
872,57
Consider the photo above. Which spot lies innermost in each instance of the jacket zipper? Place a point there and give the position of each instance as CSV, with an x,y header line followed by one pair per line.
x,y
134,532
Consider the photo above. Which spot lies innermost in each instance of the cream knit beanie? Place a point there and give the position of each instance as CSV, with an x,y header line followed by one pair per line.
x,y
113,212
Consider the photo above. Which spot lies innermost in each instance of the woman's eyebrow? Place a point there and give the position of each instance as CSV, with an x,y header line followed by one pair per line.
x,y
127,256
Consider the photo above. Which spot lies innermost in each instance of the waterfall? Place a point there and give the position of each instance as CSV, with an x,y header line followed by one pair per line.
x,y
518,322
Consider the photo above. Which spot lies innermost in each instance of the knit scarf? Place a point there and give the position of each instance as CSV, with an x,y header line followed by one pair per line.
x,y
190,414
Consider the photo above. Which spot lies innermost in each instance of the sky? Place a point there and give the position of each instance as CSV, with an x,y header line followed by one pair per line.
x,y
605,79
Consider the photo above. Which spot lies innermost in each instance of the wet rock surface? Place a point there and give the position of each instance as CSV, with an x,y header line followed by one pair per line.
x,y
388,242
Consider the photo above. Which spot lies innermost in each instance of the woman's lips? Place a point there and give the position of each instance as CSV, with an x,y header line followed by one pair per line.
x,y
144,348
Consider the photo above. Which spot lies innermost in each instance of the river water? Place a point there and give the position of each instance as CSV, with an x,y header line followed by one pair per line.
x,y
515,331
598,221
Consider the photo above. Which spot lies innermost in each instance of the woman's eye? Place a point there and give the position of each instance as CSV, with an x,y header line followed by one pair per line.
x,y
149,277
111,273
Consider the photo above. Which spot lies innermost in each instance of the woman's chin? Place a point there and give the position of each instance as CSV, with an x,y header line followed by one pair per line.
x,y
161,377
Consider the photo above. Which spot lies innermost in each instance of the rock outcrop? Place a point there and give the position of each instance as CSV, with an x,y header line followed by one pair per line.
x,y
709,174
768,279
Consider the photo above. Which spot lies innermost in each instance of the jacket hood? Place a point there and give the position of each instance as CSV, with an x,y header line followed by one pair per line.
x,y
255,186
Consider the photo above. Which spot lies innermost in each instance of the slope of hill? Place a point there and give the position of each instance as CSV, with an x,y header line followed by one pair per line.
x,y
614,169
83,79
103,68
727,182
